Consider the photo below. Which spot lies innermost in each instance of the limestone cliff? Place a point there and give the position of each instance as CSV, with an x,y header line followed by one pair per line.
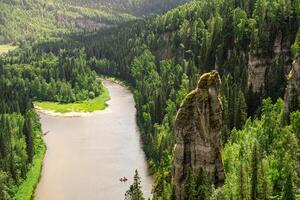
x,y
292,95
263,64
198,133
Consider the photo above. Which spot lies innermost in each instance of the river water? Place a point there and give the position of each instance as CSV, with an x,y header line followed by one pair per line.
x,y
86,156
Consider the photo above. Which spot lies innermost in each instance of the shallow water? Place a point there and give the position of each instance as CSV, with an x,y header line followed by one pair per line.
x,y
86,156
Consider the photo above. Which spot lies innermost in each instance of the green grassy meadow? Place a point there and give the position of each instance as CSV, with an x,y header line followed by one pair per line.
x,y
98,103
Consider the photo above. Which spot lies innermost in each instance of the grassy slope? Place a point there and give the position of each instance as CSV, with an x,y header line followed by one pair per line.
x,y
98,103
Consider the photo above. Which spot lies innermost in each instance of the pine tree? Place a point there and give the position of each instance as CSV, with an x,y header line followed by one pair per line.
x,y
241,177
135,192
288,188
189,186
203,186
28,131
254,169
242,111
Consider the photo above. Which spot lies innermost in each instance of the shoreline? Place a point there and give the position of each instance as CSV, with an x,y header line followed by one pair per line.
x,y
67,114
99,134
54,113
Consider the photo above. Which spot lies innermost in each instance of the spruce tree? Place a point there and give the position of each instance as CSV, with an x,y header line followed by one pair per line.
x,y
135,190
288,188
254,169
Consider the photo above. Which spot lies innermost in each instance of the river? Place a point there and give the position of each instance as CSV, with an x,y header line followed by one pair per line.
x,y
86,156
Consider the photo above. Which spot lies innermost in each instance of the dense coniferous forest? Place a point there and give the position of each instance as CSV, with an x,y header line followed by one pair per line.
x,y
25,77
20,136
161,58
65,78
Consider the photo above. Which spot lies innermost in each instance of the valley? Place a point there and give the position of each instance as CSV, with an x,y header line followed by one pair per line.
x,y
86,156
213,113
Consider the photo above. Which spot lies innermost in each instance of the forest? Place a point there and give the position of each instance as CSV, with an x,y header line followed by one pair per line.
x,y
31,77
30,20
161,58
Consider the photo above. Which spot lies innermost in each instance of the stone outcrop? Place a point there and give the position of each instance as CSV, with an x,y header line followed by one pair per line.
x,y
292,98
198,133
263,64
292,94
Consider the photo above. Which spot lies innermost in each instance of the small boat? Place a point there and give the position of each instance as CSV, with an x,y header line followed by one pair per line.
x,y
124,179
45,133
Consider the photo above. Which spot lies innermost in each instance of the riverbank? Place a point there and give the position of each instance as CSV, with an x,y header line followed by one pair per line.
x,y
115,80
74,109
26,190
87,156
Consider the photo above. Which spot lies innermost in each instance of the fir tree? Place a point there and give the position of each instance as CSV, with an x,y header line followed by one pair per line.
x,y
254,169
135,190
288,188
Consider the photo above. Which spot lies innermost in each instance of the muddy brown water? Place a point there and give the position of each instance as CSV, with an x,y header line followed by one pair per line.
x,y
86,156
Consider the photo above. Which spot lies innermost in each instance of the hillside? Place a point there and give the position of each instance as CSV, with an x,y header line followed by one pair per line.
x,y
135,7
30,19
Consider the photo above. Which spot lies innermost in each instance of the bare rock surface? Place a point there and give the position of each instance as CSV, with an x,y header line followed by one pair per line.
x,y
198,133
292,95
262,64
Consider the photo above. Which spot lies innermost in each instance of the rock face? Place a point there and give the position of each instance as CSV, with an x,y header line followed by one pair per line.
x,y
292,95
262,64
198,133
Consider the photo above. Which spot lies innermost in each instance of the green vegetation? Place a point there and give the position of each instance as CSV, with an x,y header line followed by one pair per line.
x,y
65,78
21,165
260,160
198,187
161,59
29,20
26,189
90,105
25,76
135,190
136,7
6,48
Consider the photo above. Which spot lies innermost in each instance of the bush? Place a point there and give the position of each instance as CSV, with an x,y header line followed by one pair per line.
x,y
91,95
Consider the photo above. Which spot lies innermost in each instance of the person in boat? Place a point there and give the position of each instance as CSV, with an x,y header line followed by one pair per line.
x,y
124,179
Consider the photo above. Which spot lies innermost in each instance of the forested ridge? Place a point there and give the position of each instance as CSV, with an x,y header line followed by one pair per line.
x,y
252,43
135,7
29,20
161,58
